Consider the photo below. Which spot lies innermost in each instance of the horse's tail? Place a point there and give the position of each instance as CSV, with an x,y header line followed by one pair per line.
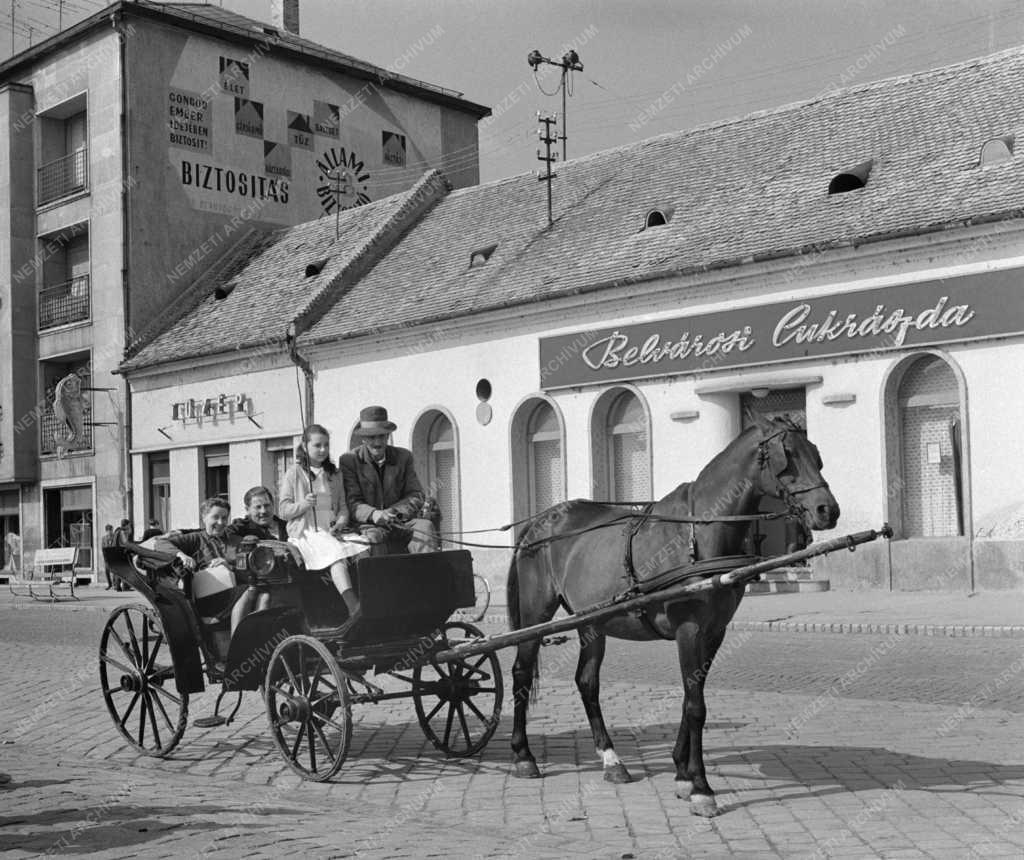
x,y
512,591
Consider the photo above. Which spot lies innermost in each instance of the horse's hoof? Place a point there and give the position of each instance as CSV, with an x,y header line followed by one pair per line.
x,y
684,788
526,770
703,805
617,774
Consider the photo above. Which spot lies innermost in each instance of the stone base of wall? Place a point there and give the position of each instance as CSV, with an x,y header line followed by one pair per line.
x,y
926,564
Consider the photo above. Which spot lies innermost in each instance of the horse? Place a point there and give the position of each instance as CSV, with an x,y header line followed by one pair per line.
x,y
581,553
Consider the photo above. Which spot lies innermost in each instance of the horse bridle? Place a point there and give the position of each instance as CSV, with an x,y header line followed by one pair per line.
x,y
786,493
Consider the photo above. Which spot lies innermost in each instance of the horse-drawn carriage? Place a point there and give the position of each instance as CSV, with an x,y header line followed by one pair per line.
x,y
310,665
671,570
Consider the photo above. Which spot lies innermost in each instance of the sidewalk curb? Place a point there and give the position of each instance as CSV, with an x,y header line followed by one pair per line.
x,y
952,630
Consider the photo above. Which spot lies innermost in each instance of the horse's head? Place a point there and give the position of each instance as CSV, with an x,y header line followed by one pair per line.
x,y
789,468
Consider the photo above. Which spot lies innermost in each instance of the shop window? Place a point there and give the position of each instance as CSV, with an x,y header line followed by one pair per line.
x,y
66,422
775,537
216,472
68,520
923,429
281,453
538,478
620,442
437,464
160,489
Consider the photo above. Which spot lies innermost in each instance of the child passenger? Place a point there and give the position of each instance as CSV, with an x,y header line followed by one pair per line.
x,y
312,500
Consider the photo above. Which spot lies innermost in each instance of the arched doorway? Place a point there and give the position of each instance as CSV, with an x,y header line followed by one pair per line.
x,y
924,429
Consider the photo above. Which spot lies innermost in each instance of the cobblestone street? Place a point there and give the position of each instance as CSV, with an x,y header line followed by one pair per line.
x,y
818,745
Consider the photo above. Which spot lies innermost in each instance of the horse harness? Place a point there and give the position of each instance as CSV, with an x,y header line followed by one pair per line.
x,y
692,569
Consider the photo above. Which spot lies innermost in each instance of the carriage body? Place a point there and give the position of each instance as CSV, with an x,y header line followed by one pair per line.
x,y
301,643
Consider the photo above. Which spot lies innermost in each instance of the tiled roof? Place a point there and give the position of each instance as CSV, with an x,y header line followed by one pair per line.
x,y
742,190
745,189
266,285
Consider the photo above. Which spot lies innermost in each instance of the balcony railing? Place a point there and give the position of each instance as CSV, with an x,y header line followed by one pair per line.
x,y
64,303
64,176
53,431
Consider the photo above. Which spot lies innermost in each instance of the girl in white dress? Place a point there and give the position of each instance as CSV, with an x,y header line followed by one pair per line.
x,y
312,500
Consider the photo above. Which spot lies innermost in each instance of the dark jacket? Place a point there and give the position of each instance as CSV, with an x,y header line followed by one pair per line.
x,y
365,491
244,527
202,547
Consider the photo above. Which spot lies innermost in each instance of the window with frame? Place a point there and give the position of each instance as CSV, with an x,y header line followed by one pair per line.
x,y
282,454
160,489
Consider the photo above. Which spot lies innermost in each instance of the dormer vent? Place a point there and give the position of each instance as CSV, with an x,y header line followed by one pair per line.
x,y
996,150
480,256
851,179
316,268
658,217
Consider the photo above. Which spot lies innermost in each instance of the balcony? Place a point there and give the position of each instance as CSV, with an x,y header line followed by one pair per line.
x,y
65,176
64,303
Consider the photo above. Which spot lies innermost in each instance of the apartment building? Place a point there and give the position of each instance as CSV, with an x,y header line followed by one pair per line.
x,y
141,147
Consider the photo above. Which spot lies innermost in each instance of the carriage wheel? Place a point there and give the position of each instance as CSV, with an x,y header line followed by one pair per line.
x,y
308,707
137,679
458,703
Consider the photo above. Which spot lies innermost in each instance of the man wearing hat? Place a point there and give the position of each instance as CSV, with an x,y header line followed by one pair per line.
x,y
384,495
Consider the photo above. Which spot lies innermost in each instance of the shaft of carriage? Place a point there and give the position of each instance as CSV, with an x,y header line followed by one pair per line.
x,y
736,576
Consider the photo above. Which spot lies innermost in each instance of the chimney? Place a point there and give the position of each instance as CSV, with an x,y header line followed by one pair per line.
x,y
284,15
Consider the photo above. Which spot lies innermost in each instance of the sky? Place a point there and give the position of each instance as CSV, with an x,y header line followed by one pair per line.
x,y
650,66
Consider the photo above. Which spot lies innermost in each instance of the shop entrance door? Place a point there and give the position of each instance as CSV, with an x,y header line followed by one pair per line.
x,y
69,520
775,537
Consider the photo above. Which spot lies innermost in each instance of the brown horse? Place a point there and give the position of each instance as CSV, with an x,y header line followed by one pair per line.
x,y
582,553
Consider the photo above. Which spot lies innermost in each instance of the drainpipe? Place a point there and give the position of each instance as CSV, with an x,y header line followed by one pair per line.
x,y
291,336
117,21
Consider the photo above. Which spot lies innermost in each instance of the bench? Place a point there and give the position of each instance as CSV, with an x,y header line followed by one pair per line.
x,y
54,567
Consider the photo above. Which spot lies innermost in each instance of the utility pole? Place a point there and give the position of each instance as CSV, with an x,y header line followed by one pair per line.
x,y
14,6
545,135
60,15
570,62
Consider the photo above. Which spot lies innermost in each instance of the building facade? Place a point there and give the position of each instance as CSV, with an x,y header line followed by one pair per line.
x,y
143,146
794,262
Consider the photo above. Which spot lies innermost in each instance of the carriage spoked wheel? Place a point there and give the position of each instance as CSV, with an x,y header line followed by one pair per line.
x,y
308,707
137,679
458,702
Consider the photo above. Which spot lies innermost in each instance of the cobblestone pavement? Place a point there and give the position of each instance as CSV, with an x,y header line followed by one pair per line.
x,y
849,754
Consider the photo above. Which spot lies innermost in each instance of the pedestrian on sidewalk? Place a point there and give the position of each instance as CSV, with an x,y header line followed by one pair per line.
x,y
108,540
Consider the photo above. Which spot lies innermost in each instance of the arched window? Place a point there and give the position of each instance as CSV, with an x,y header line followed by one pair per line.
x,y
927,431
544,454
441,473
435,448
620,441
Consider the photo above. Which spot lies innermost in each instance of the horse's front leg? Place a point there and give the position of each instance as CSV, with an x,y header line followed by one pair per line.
x,y
695,656
524,765
588,681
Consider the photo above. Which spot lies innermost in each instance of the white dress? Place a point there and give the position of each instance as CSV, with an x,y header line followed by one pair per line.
x,y
319,548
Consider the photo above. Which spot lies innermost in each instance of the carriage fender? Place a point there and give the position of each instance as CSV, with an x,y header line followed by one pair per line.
x,y
254,641
181,632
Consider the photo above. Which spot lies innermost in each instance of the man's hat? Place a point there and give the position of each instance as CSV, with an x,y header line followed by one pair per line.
x,y
373,420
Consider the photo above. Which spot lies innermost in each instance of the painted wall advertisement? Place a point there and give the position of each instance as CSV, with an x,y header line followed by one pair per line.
x,y
898,317
252,136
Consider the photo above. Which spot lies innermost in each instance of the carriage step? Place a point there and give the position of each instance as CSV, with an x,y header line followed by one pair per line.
x,y
788,586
